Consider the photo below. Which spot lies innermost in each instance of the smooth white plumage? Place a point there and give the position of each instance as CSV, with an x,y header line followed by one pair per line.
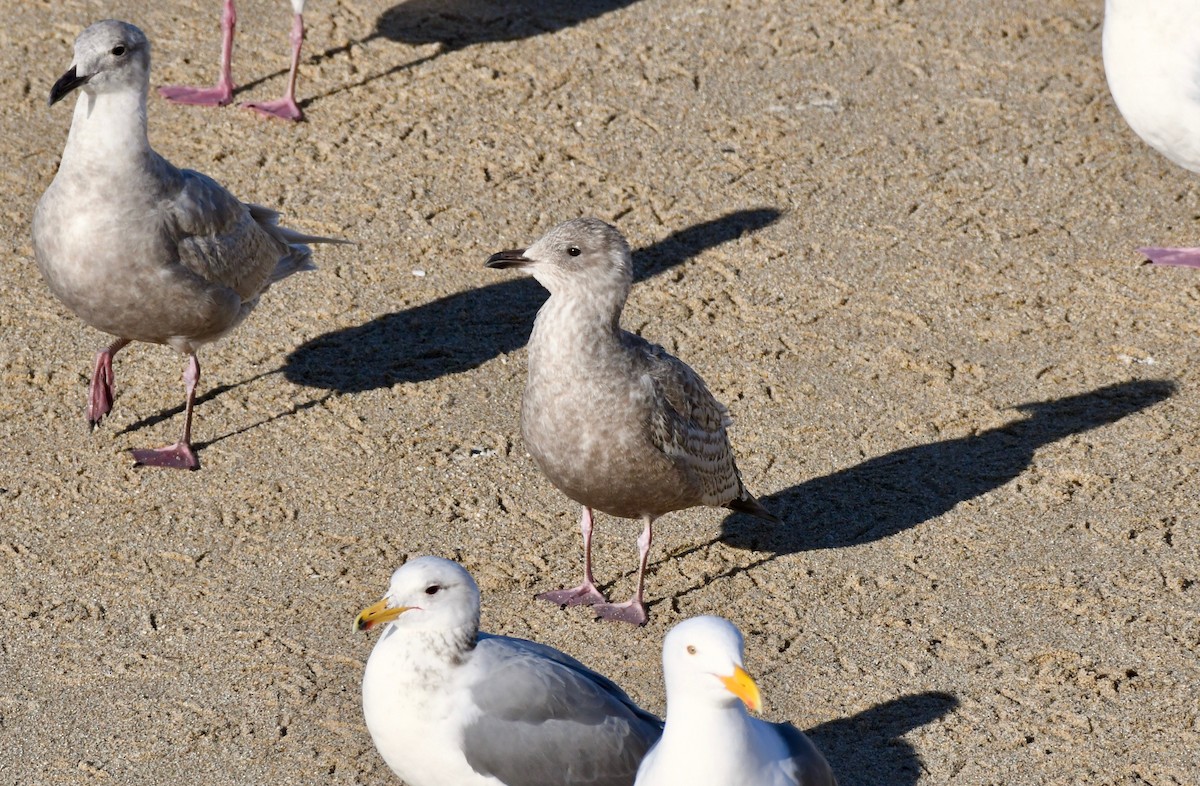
x,y
710,739
449,706
1152,62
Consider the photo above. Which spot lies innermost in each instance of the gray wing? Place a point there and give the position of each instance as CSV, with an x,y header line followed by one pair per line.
x,y
227,242
808,766
689,424
546,720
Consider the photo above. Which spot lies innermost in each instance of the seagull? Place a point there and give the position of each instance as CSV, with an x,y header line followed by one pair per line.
x,y
710,739
616,423
447,705
1152,61
284,108
142,250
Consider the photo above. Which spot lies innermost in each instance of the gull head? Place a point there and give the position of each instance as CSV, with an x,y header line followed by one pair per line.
x,y
702,662
584,254
110,56
426,594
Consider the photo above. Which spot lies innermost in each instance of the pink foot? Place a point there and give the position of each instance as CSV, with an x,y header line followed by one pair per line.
x,y
177,456
584,594
1176,257
282,108
631,611
198,96
100,394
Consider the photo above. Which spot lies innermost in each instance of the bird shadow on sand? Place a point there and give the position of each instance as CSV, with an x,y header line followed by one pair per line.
x,y
211,394
891,493
464,330
455,25
869,748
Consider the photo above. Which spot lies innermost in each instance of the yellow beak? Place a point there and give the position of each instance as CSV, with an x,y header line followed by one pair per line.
x,y
740,684
377,614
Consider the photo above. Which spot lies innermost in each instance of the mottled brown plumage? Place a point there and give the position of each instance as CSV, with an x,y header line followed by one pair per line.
x,y
616,423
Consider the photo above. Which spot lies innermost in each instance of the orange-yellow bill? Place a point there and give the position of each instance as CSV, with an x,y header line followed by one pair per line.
x,y
377,614
740,684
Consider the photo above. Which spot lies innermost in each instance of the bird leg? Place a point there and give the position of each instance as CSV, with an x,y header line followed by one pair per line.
x,y
286,108
1176,257
179,455
633,610
222,93
100,391
585,593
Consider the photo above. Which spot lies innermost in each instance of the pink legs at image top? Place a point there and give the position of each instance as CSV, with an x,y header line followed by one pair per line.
x,y
222,93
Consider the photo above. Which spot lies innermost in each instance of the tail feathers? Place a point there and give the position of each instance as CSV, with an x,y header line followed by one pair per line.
x,y
748,504
269,220
297,260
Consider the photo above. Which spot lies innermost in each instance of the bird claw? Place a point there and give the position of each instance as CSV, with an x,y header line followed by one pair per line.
x,y
282,108
197,96
1175,257
583,595
632,611
177,456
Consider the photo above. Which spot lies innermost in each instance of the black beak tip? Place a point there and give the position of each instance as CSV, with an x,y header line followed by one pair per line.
x,y
65,84
503,259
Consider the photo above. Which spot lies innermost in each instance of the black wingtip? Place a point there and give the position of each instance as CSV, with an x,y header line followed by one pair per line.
x,y
749,505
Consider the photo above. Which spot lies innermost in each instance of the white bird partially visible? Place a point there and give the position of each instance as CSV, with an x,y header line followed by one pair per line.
x,y
284,108
447,705
1152,61
710,739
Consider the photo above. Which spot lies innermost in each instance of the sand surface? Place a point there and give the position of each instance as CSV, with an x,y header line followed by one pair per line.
x,y
895,237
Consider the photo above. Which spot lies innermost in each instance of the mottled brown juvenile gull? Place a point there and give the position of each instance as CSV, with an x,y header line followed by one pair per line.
x,y
448,705
710,739
284,108
616,423
140,249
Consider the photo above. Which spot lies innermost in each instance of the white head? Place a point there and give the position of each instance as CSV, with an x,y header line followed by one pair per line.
x,y
110,56
427,594
702,663
584,254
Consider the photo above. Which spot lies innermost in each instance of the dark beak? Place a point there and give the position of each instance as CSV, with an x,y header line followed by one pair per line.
x,y
65,84
503,259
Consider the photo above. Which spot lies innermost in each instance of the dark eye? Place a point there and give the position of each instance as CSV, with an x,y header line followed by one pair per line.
x,y
574,251
118,50
432,589
691,649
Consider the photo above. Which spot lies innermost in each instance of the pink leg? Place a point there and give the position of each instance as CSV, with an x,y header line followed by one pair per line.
x,y
286,108
100,391
222,94
179,455
633,610
585,593
1176,257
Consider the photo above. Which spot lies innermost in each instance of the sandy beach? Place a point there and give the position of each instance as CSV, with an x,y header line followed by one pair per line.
x,y
896,239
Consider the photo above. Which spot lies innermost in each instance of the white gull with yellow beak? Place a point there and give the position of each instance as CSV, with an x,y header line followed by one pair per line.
x,y
710,739
449,706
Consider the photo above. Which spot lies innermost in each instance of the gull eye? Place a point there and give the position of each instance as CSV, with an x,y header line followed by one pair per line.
x,y
432,589
574,251
118,50
691,649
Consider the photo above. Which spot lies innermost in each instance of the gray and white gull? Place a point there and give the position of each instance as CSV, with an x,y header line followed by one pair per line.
x,y
447,705
615,422
710,739
138,248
